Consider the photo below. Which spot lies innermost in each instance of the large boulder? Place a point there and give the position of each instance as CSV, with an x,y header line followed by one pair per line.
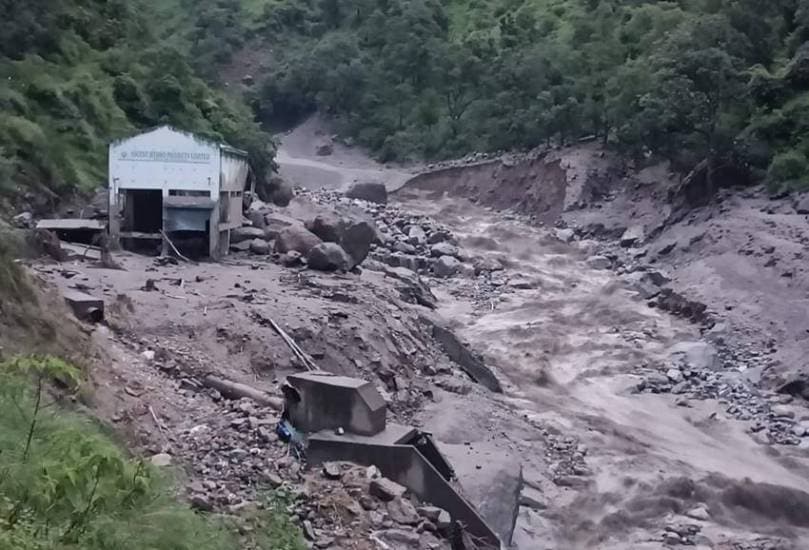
x,y
328,257
357,238
275,223
648,284
298,238
386,490
446,266
241,234
324,148
487,264
23,221
326,226
283,194
802,204
439,236
257,218
369,191
599,262
700,356
565,235
416,235
275,190
633,236
259,246
398,259
444,249
291,258
404,248
243,246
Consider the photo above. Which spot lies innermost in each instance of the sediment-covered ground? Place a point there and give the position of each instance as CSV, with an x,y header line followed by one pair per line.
x,y
641,346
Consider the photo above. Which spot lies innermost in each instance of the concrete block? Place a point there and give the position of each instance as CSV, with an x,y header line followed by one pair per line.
x,y
327,402
85,307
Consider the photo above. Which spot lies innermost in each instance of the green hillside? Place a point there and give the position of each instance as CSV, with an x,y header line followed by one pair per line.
x,y
722,80
79,73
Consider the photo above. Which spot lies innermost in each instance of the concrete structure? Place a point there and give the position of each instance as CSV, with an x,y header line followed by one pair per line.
x,y
319,403
405,465
84,306
74,230
172,182
71,224
328,402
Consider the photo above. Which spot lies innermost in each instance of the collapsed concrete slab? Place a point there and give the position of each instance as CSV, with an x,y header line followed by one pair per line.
x,y
345,419
463,357
73,230
323,401
71,224
492,481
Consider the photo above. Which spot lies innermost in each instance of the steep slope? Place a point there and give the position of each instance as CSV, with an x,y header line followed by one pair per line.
x,y
79,73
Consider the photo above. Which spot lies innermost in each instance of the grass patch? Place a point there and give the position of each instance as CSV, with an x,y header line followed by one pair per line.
x,y
64,485
33,318
12,282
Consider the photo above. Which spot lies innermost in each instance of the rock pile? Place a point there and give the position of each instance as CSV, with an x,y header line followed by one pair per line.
x,y
414,242
237,456
703,370
378,231
699,371
364,506
327,242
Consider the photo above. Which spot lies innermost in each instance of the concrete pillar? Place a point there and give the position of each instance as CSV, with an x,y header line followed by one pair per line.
x,y
164,245
224,243
213,233
114,219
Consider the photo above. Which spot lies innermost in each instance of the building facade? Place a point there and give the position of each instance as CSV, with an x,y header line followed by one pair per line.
x,y
165,183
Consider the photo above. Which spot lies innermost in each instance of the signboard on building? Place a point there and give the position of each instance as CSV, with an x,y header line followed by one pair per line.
x,y
165,158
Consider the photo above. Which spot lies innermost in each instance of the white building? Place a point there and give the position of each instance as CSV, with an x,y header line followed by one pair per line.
x,y
169,182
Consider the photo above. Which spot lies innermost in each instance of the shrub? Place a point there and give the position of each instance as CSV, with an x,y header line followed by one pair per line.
x,y
787,168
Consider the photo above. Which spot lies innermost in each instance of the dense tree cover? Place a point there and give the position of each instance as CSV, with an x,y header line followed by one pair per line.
x,y
722,80
78,73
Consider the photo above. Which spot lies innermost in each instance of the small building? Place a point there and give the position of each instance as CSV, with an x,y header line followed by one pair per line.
x,y
170,183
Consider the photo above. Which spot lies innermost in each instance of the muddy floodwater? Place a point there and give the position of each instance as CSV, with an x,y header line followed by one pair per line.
x,y
604,464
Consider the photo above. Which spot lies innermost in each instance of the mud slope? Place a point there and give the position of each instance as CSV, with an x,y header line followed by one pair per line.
x,y
539,185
